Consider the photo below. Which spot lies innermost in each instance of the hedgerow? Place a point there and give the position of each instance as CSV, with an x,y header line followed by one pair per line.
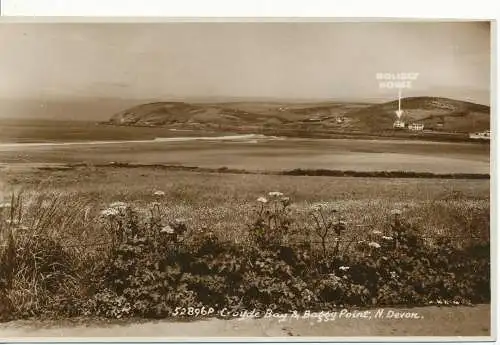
x,y
155,265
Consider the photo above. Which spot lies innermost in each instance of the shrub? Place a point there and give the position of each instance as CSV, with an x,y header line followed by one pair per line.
x,y
273,221
155,265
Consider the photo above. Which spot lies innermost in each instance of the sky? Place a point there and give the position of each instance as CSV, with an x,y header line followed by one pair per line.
x,y
293,61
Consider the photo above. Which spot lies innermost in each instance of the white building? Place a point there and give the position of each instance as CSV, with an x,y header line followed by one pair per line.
x,y
416,127
481,135
398,124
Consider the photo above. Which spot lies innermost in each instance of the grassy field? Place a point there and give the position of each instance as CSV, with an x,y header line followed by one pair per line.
x,y
69,251
225,202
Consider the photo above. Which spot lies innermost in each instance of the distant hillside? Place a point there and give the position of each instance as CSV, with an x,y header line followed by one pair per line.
x,y
443,113
435,113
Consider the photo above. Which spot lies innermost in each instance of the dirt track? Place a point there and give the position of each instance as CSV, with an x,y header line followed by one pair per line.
x,y
433,321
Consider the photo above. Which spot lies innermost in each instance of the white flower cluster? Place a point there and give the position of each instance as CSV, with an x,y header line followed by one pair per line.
x,y
319,206
5,205
379,233
262,200
119,205
114,209
110,212
167,229
273,196
396,212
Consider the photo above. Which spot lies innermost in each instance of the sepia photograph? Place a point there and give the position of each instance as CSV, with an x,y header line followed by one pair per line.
x,y
287,179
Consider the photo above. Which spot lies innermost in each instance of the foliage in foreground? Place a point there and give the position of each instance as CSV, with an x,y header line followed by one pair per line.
x,y
154,265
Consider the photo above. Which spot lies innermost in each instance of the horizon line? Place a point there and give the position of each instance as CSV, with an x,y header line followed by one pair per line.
x,y
230,99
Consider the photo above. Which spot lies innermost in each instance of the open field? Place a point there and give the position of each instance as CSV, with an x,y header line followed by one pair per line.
x,y
225,202
104,241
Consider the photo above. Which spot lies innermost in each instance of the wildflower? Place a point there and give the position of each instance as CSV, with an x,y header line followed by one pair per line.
x,y
262,200
374,245
159,193
126,308
343,268
5,205
388,238
118,205
110,212
396,212
342,222
308,292
393,274
456,302
439,301
376,232
275,194
167,229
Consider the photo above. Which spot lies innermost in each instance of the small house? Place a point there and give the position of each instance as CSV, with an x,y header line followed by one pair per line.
x,y
416,127
398,124
485,135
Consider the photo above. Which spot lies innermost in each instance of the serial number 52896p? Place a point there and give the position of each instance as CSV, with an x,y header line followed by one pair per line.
x,y
191,311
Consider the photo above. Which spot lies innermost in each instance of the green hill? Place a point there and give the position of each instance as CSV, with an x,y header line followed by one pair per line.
x,y
443,113
435,113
